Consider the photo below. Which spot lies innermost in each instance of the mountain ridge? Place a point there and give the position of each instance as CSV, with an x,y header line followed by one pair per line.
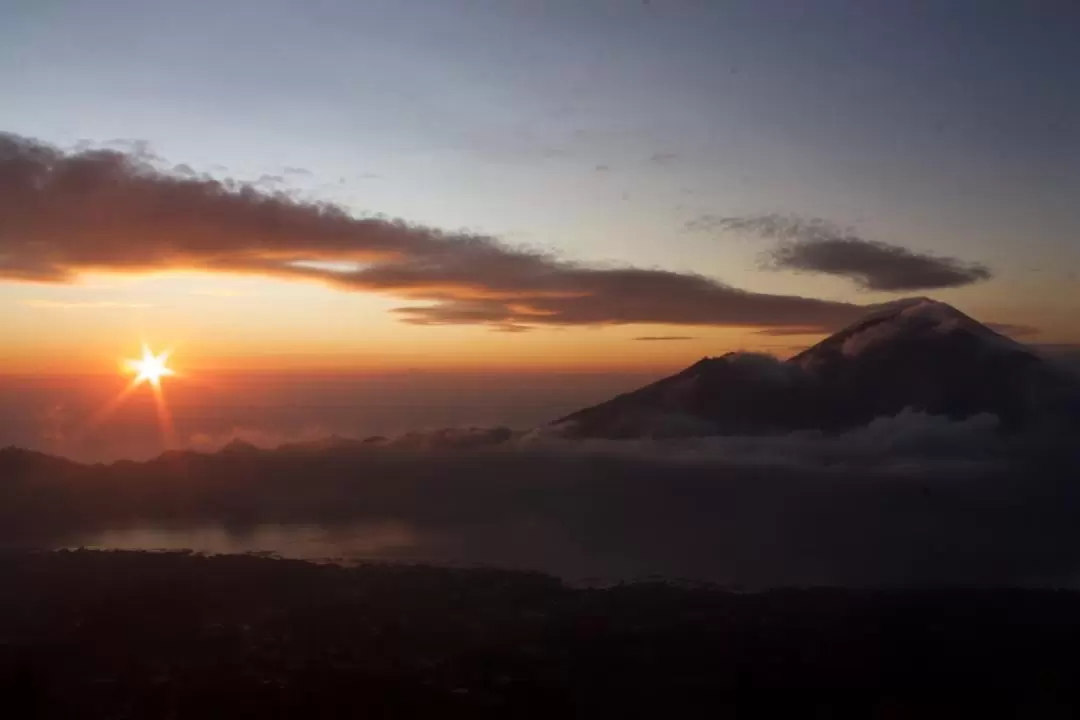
x,y
916,355
913,354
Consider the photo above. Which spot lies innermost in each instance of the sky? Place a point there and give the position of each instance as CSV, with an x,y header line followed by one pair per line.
x,y
608,132
524,186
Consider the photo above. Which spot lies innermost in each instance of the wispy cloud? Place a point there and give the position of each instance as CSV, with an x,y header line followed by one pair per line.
x,y
706,223
1014,331
819,246
80,305
664,338
66,213
789,331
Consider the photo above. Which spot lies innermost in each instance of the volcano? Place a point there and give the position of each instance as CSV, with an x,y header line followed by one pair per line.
x,y
916,355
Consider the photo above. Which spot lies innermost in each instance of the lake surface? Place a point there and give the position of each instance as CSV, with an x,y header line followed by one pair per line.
x,y
373,541
520,547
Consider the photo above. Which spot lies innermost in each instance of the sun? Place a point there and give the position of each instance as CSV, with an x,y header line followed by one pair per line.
x,y
151,368
147,370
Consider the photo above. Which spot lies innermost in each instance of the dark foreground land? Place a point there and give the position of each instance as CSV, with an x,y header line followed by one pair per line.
x,y
148,635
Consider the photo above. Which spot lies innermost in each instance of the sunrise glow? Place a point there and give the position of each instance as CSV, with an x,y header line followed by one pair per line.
x,y
150,368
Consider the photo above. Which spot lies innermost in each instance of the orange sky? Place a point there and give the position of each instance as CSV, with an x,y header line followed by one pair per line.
x,y
222,322
560,167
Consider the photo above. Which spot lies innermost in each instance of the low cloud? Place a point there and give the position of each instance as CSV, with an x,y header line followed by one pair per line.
x,y
789,331
258,437
1014,331
909,442
910,499
65,213
818,246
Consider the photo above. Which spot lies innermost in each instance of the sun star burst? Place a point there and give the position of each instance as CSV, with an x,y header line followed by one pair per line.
x,y
151,368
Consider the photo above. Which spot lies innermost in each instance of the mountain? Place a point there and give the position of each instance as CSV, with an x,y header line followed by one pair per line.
x,y
916,354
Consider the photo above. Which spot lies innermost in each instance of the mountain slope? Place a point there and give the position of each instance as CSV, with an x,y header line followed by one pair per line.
x,y
915,354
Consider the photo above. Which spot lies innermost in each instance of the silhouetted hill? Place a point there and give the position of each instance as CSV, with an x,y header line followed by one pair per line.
x,y
141,635
899,503
918,355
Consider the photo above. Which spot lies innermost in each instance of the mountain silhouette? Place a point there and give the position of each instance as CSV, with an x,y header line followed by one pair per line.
x,y
917,355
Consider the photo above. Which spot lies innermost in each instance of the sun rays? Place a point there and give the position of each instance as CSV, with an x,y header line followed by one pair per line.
x,y
147,370
150,368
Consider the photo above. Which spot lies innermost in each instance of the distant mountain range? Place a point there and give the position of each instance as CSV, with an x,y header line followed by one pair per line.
x,y
916,354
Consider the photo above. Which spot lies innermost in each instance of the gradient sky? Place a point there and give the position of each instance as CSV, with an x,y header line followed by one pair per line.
x,y
599,130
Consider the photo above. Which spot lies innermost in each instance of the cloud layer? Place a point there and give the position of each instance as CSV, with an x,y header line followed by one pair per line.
x,y
818,246
911,499
63,213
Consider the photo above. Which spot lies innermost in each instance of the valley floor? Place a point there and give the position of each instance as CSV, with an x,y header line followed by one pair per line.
x,y
176,635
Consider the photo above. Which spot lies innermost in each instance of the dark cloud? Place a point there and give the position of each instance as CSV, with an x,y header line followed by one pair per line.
x,y
818,246
66,213
1007,329
877,266
789,331
602,169
664,338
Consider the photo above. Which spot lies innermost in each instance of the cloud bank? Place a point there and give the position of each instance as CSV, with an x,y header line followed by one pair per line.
x,y
64,213
910,499
818,246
